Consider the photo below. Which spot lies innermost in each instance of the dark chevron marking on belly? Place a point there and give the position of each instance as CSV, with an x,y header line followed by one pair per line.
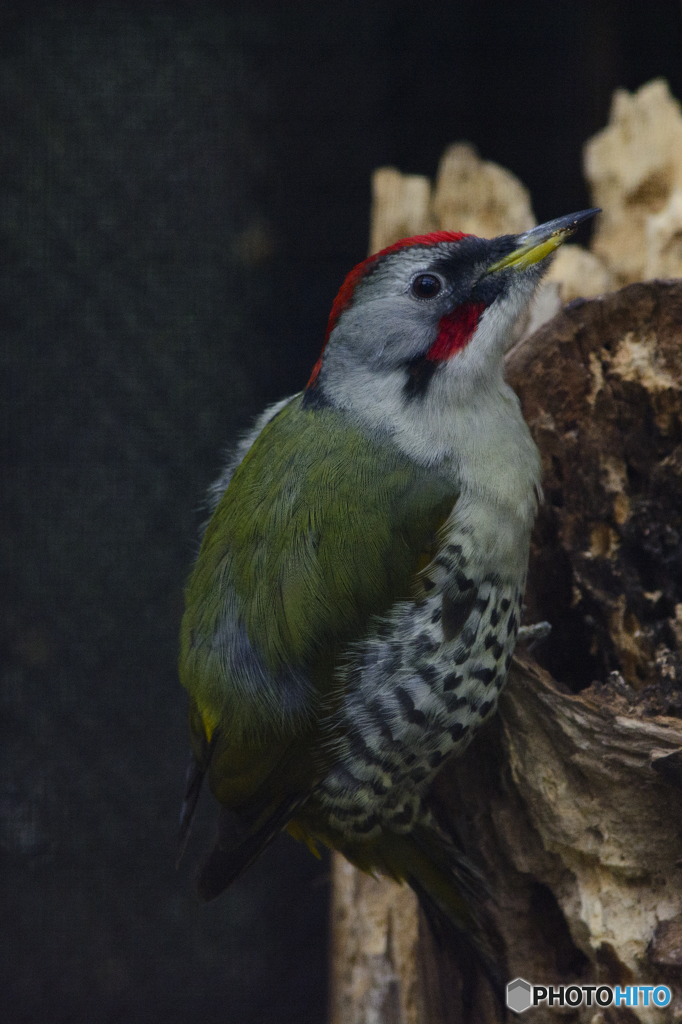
x,y
413,700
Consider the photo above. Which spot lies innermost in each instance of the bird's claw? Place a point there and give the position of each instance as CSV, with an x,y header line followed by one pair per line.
x,y
531,634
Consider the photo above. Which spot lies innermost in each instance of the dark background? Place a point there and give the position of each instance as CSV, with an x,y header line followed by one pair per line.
x,y
183,188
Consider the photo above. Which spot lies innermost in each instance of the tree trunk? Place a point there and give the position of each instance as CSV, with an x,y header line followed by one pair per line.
x,y
570,800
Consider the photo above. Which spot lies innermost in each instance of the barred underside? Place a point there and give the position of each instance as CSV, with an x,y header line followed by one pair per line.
x,y
414,697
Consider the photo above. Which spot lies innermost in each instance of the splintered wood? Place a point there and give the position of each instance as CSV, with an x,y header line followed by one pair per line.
x,y
375,935
570,801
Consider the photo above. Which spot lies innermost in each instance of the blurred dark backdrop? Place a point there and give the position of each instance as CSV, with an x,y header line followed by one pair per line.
x,y
183,188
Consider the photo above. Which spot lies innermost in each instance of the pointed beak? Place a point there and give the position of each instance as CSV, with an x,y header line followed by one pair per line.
x,y
539,242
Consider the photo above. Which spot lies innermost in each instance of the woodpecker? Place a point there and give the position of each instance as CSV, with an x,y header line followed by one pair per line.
x,y
354,607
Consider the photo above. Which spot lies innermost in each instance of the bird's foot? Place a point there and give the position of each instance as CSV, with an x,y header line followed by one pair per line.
x,y
532,634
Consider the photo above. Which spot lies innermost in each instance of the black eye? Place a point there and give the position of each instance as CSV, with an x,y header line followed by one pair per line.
x,y
426,286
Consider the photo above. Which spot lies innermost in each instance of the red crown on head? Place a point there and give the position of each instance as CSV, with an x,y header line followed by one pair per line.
x,y
345,293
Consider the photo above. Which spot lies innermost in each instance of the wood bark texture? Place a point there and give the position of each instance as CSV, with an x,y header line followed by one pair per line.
x,y
570,801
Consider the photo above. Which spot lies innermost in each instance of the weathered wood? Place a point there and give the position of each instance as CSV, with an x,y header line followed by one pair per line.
x,y
571,800
634,170
600,386
375,950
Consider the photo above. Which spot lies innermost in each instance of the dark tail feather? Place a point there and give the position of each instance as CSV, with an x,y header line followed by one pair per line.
x,y
238,847
471,951
453,895
193,781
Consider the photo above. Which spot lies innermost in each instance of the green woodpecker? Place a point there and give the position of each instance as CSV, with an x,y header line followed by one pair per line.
x,y
355,604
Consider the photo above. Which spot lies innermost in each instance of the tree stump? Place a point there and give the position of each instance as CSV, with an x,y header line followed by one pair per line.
x,y
570,800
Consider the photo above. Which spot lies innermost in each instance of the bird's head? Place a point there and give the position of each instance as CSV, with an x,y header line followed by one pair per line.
x,y
432,316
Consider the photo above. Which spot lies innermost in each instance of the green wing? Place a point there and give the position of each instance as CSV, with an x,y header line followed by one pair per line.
x,y
320,530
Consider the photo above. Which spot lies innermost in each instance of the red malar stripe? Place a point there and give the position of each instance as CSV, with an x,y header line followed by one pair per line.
x,y
345,295
455,330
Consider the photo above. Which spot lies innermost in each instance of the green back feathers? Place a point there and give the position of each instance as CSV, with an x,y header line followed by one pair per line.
x,y
319,529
